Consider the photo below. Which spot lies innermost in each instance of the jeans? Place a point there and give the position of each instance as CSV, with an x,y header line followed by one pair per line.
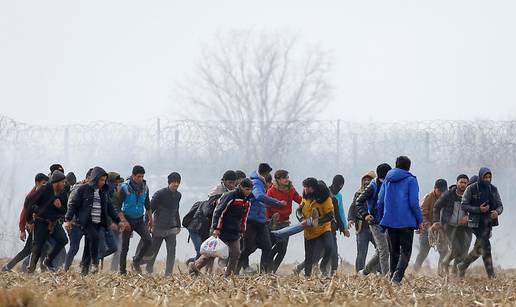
x,y
75,240
108,242
381,257
313,249
257,235
424,249
363,238
41,235
140,227
288,231
170,242
197,241
115,260
400,249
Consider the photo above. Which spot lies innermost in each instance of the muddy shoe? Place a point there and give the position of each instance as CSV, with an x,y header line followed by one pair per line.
x,y
192,269
46,265
136,266
461,270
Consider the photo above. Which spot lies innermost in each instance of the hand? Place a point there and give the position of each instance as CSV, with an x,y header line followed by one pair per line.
x,y
369,218
351,223
426,225
283,203
420,229
464,221
23,235
436,227
493,215
57,203
113,227
67,226
30,227
484,207
346,233
125,227
216,233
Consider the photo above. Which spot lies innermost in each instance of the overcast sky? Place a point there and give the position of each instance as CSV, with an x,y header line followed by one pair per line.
x,y
75,61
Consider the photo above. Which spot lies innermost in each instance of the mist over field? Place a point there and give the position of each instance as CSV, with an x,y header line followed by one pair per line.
x,y
201,87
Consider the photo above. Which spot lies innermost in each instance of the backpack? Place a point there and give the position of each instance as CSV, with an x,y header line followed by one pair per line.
x,y
187,219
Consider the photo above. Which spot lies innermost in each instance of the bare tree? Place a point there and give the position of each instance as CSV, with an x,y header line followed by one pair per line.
x,y
263,82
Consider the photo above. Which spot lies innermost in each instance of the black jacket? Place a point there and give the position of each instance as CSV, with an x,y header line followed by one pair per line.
x,y
165,208
81,202
443,207
41,204
201,221
230,215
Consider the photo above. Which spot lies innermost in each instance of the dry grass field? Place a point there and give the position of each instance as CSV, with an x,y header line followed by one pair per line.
x,y
346,289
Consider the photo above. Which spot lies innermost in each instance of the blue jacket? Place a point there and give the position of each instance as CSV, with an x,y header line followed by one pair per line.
x,y
398,200
259,199
133,203
341,210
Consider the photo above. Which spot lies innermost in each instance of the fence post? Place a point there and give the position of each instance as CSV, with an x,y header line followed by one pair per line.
x,y
158,141
355,150
66,146
176,145
337,160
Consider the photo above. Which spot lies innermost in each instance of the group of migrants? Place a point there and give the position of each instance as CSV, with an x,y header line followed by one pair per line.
x,y
250,213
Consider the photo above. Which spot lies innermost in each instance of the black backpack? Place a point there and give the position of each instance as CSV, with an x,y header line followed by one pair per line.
x,y
187,219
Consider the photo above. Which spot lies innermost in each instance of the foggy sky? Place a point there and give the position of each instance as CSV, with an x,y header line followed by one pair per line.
x,y
393,60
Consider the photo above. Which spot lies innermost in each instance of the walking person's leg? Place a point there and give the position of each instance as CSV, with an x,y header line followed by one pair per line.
x,y
75,241
424,249
126,237
394,250
40,237
171,254
362,248
153,251
25,252
406,237
234,255
141,229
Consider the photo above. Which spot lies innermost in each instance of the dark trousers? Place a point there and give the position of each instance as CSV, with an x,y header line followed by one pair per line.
x,y
234,255
90,253
170,242
75,241
138,226
42,233
331,264
459,240
483,247
108,242
364,237
400,248
256,236
279,250
313,249
21,254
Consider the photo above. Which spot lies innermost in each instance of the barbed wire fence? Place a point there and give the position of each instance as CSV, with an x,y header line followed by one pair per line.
x,y
202,150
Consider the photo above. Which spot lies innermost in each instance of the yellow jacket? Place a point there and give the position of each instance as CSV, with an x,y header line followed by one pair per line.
x,y
323,209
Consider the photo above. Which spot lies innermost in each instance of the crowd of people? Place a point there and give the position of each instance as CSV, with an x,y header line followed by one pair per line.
x,y
251,213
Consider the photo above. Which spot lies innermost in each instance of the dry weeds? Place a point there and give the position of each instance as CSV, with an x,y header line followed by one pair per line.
x,y
59,289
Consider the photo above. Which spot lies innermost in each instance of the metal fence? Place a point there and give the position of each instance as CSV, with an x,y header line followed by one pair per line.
x,y
202,150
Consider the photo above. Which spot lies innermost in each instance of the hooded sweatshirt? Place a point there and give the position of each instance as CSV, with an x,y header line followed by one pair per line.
x,y
353,214
477,194
81,201
398,201
321,201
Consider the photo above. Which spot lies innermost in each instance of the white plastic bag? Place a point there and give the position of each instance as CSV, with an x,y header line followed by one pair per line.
x,y
214,247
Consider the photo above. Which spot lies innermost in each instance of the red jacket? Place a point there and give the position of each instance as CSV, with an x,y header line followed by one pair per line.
x,y
23,217
288,196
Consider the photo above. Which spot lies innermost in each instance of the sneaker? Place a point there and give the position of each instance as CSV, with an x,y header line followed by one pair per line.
x,y
85,270
461,270
46,265
94,268
396,279
362,273
192,269
136,266
5,268
123,272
